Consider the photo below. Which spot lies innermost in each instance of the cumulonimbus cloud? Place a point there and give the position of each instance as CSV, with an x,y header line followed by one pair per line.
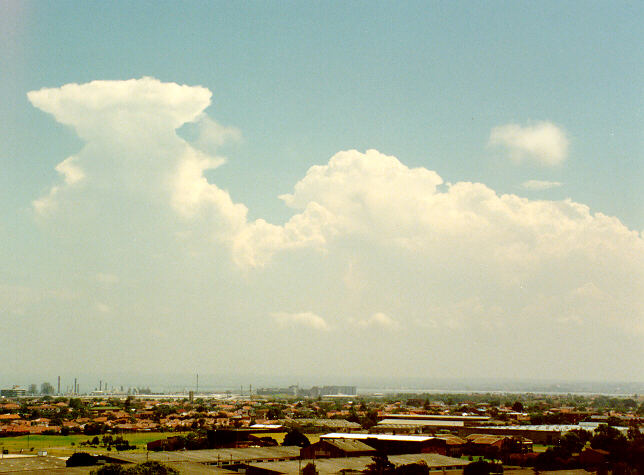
x,y
368,198
542,142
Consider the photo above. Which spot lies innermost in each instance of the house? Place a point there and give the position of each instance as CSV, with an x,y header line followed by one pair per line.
x,y
455,445
336,448
396,444
492,445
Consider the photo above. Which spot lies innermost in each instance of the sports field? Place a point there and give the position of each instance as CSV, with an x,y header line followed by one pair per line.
x,y
63,445
68,444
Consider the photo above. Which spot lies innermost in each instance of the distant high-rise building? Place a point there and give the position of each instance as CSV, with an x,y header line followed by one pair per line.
x,y
15,391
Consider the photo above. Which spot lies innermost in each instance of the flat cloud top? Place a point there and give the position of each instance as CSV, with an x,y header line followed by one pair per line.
x,y
136,102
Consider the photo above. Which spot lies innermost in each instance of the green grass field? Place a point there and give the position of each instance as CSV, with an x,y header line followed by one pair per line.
x,y
68,444
64,445
540,448
279,436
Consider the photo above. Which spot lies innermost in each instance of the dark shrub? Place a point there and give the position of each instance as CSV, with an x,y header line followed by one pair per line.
x,y
81,459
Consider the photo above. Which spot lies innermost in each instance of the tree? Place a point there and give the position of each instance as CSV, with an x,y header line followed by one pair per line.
x,y
110,469
640,410
353,415
635,455
46,389
380,465
554,458
310,469
584,435
81,459
145,468
370,419
418,468
634,433
479,467
94,428
517,406
274,412
610,439
571,442
295,437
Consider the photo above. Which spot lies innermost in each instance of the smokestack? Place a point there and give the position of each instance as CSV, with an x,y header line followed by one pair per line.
x,y
75,386
58,392
100,385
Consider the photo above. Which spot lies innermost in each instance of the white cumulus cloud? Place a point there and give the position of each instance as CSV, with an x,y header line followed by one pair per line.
x,y
399,237
212,134
542,142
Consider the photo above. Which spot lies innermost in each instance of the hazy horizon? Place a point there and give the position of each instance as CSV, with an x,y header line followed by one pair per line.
x,y
243,383
333,190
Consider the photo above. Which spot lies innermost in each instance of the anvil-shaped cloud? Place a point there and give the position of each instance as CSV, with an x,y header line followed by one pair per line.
x,y
577,262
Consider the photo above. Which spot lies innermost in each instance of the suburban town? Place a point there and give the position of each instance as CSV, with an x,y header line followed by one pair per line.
x,y
327,429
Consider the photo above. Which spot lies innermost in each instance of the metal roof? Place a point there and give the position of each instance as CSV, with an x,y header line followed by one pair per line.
x,y
37,464
336,465
433,417
191,468
554,427
213,456
407,438
421,423
349,445
542,427
330,423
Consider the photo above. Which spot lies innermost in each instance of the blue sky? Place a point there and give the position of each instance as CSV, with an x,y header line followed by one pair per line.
x,y
540,101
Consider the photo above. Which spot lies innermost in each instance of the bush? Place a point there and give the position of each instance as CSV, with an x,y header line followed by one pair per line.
x,y
81,459
418,468
295,437
146,468
111,469
310,469
478,468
